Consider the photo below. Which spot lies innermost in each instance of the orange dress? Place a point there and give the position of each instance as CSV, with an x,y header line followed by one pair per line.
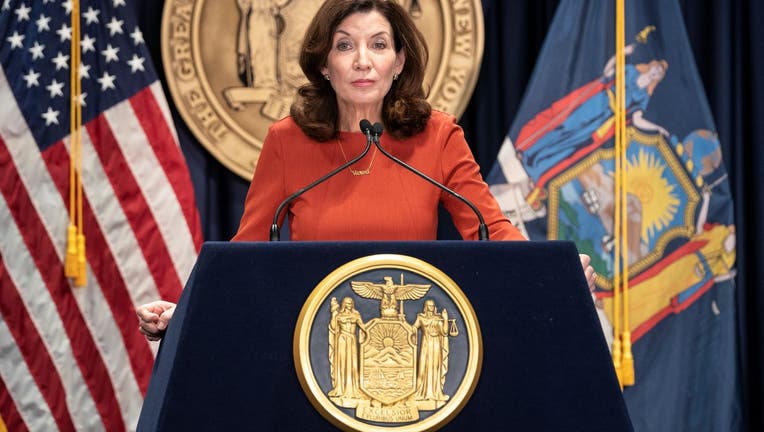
x,y
391,203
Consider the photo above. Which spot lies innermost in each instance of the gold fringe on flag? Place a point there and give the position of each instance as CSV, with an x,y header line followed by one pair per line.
x,y
75,263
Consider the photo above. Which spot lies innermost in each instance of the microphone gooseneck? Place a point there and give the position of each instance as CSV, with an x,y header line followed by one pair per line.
x,y
376,132
275,231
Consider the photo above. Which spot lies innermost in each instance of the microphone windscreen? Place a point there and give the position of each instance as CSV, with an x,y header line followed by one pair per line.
x,y
377,128
366,126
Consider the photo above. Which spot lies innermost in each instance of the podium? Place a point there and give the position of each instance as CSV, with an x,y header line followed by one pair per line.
x,y
226,361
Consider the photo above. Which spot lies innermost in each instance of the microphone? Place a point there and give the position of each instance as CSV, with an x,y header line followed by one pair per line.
x,y
482,227
275,231
367,128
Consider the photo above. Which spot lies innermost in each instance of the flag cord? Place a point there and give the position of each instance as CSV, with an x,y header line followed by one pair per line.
x,y
622,356
618,216
75,265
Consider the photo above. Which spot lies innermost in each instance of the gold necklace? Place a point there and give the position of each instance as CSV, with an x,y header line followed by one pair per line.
x,y
367,171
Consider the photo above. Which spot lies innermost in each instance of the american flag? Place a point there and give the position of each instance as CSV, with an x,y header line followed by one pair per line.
x,y
71,358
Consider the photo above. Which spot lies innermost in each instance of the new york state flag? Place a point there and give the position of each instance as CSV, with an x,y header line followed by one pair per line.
x,y
555,178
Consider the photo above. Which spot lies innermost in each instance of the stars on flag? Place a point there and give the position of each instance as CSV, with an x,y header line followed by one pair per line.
x,y
37,50
16,40
31,78
110,53
87,43
115,26
61,61
43,23
67,5
22,12
84,71
106,81
55,88
112,56
50,116
136,63
91,15
137,36
65,33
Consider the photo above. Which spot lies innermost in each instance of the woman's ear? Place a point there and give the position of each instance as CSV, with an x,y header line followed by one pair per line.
x,y
400,61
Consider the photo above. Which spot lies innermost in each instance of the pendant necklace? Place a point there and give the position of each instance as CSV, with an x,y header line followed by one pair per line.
x,y
367,171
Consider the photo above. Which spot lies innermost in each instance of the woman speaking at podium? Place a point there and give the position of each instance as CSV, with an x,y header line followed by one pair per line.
x,y
364,60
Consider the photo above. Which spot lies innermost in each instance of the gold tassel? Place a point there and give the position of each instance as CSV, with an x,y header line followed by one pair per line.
x,y
627,364
617,360
82,271
70,261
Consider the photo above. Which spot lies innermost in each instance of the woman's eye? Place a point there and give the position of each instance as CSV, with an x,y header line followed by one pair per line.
x,y
343,46
380,44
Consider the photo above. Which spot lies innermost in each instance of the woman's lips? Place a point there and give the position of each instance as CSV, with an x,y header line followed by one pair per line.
x,y
363,83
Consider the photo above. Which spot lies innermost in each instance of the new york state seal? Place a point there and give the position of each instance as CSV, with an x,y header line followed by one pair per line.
x,y
388,342
232,66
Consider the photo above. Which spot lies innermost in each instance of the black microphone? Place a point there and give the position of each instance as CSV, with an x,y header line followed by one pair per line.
x,y
275,232
482,228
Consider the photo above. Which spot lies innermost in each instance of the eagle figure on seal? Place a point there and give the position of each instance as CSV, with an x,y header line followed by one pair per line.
x,y
389,293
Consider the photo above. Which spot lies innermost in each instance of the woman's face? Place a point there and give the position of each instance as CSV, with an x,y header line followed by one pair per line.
x,y
347,304
362,62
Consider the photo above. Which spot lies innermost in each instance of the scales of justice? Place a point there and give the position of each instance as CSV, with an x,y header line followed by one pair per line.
x,y
387,368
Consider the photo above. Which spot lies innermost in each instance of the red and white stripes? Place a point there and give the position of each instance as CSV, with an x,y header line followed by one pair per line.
x,y
72,357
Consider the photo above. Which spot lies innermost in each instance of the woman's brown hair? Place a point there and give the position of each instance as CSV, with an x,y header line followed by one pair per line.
x,y
405,110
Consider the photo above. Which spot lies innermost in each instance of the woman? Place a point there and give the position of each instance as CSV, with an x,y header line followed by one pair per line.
x,y
363,60
433,354
343,353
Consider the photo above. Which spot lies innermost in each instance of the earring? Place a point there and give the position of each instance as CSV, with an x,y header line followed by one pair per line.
x,y
326,77
395,77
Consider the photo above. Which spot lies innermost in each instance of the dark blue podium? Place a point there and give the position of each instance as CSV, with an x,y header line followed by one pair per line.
x,y
226,360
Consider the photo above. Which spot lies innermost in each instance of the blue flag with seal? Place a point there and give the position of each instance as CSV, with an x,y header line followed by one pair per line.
x,y
555,178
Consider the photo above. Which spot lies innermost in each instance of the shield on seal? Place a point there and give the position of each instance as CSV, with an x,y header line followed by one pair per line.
x,y
388,360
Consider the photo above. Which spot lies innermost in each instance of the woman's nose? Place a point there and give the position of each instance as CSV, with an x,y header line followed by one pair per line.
x,y
362,60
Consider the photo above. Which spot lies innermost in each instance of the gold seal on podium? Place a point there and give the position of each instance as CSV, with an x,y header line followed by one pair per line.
x,y
233,66
388,342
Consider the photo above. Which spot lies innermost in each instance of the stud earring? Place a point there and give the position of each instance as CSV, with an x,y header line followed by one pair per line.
x,y
395,77
326,77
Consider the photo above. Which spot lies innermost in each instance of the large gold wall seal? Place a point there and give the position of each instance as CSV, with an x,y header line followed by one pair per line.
x,y
232,65
388,342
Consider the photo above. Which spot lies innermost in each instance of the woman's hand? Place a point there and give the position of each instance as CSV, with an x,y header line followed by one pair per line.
x,y
588,271
154,318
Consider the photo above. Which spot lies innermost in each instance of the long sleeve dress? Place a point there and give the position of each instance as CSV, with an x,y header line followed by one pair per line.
x,y
390,203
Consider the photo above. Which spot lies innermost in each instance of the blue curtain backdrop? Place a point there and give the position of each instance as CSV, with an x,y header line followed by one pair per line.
x,y
728,43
